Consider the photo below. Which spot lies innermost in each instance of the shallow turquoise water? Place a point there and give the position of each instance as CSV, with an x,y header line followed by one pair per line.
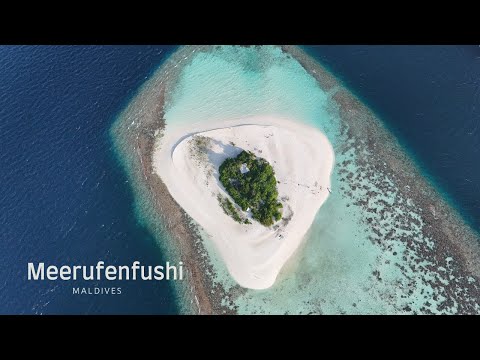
x,y
236,82
338,269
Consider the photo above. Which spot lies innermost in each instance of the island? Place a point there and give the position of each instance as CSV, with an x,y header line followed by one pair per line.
x,y
253,184
361,228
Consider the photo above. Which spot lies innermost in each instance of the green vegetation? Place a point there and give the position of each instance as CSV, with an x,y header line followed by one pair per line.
x,y
255,189
199,147
230,210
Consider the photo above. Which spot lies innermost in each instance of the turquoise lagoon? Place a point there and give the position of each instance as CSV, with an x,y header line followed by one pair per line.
x,y
338,269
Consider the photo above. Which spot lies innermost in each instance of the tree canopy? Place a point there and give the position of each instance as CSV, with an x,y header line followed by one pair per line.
x,y
255,188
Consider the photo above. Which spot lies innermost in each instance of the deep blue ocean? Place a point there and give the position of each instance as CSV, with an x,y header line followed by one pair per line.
x,y
64,198
429,96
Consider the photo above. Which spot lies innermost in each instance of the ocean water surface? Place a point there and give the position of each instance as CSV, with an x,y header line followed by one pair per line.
x,y
429,96
65,198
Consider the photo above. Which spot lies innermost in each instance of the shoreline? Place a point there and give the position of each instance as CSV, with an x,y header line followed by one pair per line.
x,y
290,146
147,119
446,235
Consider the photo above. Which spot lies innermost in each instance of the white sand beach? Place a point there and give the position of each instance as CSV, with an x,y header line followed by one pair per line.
x,y
302,158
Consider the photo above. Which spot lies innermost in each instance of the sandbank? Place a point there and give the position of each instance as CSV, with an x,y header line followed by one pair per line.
x,y
302,158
